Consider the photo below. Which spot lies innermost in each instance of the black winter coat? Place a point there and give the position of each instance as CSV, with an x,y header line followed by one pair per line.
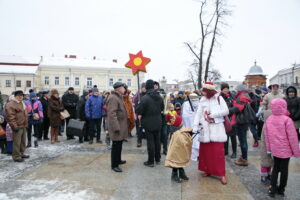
x,y
293,105
255,101
80,109
45,104
151,107
70,102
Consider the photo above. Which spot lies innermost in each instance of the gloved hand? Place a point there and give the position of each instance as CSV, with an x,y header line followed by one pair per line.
x,y
15,130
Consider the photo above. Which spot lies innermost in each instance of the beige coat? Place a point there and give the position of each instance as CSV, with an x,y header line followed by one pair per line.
x,y
180,149
117,117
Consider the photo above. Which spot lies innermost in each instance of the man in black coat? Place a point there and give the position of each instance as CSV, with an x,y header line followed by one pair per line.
x,y
80,113
46,122
293,103
70,100
150,109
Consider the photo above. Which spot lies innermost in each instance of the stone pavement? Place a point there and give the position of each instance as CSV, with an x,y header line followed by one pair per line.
x,y
71,171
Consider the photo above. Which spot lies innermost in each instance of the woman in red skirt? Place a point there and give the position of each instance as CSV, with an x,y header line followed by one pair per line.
x,y
209,120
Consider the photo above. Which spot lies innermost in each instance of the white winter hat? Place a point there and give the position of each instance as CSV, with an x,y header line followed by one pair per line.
x,y
209,86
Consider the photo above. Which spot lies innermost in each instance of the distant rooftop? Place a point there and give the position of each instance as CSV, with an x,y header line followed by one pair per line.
x,y
79,62
19,69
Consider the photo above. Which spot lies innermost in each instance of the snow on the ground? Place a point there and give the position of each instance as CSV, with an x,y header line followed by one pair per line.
x,y
45,152
48,190
39,189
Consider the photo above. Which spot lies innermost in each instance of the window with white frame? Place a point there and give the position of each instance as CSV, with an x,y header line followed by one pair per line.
x,y
77,82
8,83
129,82
18,83
67,80
56,80
111,82
47,80
89,82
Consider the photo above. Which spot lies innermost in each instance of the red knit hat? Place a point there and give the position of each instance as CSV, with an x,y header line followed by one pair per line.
x,y
174,120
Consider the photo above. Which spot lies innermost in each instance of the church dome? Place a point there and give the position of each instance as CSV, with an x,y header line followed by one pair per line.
x,y
256,70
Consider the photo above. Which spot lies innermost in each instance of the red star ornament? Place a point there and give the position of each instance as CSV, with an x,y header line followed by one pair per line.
x,y
137,62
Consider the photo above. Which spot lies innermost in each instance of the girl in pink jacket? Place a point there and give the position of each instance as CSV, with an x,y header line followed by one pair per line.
x,y
282,142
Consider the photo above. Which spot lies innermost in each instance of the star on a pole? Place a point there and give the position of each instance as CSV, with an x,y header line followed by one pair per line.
x,y
137,62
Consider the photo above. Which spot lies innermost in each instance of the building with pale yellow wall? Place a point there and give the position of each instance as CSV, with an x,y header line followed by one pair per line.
x,y
64,72
82,74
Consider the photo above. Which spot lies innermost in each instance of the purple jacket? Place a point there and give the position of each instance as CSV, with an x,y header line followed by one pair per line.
x,y
94,107
280,132
34,107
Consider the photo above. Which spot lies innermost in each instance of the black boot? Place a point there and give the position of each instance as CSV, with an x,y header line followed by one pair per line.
x,y
175,177
272,191
28,144
281,191
233,156
165,151
36,144
182,174
139,143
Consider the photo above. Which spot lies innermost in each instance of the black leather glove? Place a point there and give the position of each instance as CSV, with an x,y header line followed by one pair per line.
x,y
15,130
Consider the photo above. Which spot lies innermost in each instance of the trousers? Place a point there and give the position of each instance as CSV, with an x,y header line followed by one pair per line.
x,y
116,151
153,146
19,141
280,165
241,131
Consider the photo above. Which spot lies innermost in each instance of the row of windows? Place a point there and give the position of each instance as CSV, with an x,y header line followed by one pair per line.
x,y
18,83
89,81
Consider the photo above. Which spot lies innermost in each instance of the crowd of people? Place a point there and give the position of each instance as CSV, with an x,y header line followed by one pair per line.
x,y
187,125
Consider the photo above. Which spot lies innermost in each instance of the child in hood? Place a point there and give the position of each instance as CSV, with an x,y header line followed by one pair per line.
x,y
282,142
180,147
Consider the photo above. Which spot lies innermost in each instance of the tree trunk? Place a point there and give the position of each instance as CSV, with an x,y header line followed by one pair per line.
x,y
212,41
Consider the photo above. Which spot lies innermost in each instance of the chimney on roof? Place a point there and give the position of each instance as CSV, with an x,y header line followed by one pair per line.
x,y
72,56
115,60
66,56
94,58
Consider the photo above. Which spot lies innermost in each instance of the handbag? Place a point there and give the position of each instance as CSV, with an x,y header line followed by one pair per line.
x,y
227,123
36,116
2,132
247,116
76,127
64,114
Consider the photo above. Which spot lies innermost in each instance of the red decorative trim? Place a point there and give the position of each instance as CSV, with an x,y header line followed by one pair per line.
x,y
23,64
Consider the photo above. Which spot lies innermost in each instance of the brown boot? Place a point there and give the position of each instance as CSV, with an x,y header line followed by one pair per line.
x,y
56,137
52,136
241,162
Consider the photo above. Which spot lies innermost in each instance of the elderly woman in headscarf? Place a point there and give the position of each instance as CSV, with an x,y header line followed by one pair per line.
x,y
210,116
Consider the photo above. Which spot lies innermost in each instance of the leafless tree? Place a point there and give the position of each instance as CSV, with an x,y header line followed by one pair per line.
x,y
214,75
193,72
212,19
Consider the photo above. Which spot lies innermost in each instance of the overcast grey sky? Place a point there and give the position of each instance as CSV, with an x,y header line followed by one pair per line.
x,y
266,30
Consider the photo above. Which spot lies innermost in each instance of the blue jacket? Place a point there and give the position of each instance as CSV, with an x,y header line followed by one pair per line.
x,y
94,107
